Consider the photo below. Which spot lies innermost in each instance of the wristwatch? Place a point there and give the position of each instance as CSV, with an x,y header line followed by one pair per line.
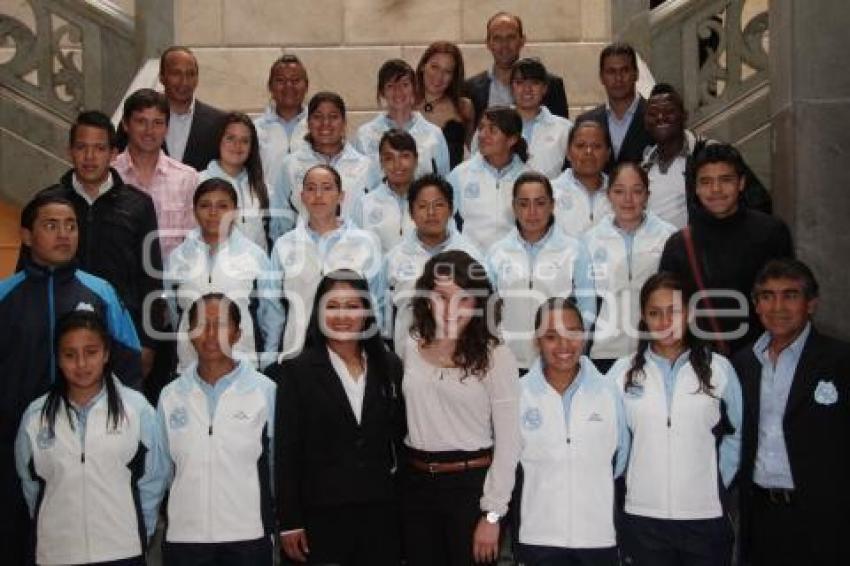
x,y
492,517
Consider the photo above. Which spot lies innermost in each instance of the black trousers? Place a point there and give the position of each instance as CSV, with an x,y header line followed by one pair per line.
x,y
778,535
668,542
533,555
440,512
354,535
256,552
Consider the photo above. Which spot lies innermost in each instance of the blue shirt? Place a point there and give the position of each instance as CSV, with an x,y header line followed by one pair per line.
x,y
618,127
772,468
214,392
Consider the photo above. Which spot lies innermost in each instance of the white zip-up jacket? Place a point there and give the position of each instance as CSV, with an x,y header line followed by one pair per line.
x,y
239,269
431,144
675,465
483,198
88,484
301,258
403,265
576,209
385,213
525,275
275,143
570,457
358,173
250,219
620,265
547,142
220,442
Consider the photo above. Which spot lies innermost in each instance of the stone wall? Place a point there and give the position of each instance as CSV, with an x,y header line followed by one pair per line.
x,y
343,42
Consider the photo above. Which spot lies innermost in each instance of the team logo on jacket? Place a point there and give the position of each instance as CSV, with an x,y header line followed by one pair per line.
x,y
241,416
472,190
532,419
84,306
407,270
634,391
179,418
826,393
595,418
45,440
375,216
565,202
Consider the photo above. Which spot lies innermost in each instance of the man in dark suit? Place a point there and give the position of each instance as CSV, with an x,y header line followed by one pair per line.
x,y
505,40
193,126
795,460
623,112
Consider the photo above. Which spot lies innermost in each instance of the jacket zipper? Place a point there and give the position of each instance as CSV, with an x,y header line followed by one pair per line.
x,y
51,320
83,432
670,449
209,476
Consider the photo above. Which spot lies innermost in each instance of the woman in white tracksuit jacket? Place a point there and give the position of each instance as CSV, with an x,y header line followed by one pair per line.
x,y
90,456
580,190
431,202
683,407
218,418
625,248
319,244
217,257
535,261
325,143
574,443
483,184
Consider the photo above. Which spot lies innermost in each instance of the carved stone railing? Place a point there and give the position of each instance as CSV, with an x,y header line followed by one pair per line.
x,y
715,51
66,55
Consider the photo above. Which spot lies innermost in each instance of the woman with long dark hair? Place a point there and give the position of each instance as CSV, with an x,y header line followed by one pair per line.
x,y
683,406
461,392
90,455
439,87
219,419
483,183
238,162
340,424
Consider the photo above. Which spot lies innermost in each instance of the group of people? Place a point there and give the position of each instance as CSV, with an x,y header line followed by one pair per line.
x,y
474,320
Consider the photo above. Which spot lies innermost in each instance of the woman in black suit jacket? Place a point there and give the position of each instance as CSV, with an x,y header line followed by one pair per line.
x,y
340,420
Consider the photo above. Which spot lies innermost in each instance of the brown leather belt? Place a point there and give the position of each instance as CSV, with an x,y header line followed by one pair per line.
x,y
449,467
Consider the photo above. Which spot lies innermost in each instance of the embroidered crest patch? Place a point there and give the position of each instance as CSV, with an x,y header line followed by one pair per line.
x,y
532,419
826,393
45,440
179,418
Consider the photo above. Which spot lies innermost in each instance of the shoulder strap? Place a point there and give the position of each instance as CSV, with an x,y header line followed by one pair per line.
x,y
693,261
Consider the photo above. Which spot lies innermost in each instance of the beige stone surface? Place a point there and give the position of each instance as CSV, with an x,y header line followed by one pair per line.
x,y
378,22
235,79
282,22
198,22
543,20
577,63
595,20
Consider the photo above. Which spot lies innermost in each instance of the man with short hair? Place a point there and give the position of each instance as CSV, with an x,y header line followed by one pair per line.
x,y
795,456
624,108
193,127
283,125
116,220
724,246
505,40
666,162
143,164
31,301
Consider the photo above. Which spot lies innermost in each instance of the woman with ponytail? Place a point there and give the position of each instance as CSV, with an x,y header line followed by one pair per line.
x,y
483,184
90,455
683,407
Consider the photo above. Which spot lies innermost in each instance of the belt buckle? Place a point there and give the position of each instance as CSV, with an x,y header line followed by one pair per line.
x,y
432,468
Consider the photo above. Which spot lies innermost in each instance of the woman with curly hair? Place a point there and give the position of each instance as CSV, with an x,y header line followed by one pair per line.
x,y
461,392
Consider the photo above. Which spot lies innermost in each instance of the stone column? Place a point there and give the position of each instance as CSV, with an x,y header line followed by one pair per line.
x,y
810,111
154,28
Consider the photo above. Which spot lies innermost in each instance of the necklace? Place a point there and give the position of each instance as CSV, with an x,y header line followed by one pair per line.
x,y
429,105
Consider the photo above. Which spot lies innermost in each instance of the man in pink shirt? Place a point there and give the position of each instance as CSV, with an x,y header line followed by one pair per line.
x,y
143,164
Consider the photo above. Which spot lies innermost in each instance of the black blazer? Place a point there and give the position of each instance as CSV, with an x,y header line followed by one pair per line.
x,y
636,140
201,146
323,457
817,437
478,90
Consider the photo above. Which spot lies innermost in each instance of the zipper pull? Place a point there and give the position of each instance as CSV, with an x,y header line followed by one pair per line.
x,y
668,421
568,440
210,430
82,457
